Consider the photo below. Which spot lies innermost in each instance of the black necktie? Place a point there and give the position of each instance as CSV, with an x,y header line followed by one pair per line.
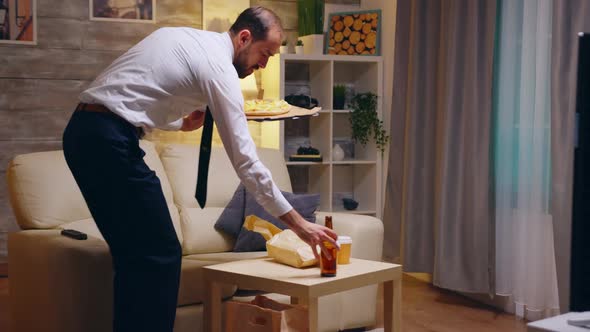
x,y
204,156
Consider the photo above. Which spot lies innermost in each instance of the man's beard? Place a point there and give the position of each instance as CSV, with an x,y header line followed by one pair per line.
x,y
240,64
242,71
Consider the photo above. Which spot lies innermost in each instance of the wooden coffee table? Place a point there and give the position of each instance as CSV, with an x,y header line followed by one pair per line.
x,y
304,286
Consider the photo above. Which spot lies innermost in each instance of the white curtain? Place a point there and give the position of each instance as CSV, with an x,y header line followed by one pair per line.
x,y
525,260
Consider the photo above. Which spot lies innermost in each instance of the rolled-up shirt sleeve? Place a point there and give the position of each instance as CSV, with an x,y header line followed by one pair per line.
x,y
226,105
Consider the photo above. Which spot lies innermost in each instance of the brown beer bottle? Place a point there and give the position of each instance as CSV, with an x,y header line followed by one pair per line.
x,y
328,222
328,266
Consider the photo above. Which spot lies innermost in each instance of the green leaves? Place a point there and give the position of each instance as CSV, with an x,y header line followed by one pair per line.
x,y
310,17
365,122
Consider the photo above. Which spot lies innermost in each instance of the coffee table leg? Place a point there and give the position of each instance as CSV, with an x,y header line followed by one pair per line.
x,y
392,305
212,307
312,306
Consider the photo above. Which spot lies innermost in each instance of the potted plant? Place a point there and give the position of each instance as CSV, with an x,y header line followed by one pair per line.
x,y
299,47
339,96
284,47
365,122
310,16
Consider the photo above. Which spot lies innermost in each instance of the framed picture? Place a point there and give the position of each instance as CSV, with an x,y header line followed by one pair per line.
x,y
18,22
354,33
139,11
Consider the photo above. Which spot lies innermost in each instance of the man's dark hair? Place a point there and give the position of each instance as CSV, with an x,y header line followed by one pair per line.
x,y
258,20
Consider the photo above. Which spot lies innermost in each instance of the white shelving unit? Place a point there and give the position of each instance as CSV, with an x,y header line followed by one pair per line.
x,y
359,175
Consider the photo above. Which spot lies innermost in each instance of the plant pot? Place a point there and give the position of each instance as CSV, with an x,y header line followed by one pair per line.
x,y
339,97
313,44
298,49
338,102
284,49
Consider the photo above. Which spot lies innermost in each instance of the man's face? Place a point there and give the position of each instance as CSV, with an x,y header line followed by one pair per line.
x,y
254,55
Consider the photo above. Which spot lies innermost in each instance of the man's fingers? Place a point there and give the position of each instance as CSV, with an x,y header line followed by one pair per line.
x,y
323,247
314,249
326,251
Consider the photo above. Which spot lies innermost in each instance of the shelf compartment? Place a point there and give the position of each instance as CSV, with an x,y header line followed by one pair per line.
x,y
308,131
357,182
309,78
342,135
362,76
311,179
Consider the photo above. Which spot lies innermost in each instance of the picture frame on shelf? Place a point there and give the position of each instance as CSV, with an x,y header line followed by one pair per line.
x,y
18,22
354,33
135,11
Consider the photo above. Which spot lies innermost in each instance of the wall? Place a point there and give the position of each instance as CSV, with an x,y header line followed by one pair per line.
x,y
39,84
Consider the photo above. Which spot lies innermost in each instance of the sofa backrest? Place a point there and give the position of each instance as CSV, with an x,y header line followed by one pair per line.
x,y
44,194
181,162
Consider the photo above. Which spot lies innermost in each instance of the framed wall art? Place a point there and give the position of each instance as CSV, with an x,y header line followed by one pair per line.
x,y
18,22
139,11
354,33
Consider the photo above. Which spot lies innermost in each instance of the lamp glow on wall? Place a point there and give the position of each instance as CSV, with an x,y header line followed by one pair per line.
x,y
264,134
249,87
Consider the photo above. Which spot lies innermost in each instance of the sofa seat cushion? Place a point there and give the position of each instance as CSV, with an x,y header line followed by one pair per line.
x,y
89,227
191,282
225,257
191,274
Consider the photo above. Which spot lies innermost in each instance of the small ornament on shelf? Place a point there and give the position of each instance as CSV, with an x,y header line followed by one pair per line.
x,y
299,47
284,49
337,153
306,153
349,203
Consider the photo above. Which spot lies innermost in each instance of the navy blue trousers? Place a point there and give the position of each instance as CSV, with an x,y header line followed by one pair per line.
x,y
126,201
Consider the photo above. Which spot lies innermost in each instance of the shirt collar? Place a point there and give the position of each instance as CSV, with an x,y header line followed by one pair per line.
x,y
229,44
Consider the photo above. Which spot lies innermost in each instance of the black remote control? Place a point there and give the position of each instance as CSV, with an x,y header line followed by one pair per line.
x,y
74,234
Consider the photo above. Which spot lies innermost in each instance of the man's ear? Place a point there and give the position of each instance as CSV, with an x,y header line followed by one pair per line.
x,y
244,37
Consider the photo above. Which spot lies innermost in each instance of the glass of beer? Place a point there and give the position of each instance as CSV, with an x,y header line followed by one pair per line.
x,y
345,243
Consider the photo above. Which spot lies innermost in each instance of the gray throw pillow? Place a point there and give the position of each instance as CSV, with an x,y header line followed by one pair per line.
x,y
305,204
232,218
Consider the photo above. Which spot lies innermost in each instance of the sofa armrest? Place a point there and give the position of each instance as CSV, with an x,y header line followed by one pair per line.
x,y
51,275
366,233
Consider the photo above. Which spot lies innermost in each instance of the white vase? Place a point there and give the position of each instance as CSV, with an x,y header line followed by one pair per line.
x,y
313,44
284,49
298,49
337,153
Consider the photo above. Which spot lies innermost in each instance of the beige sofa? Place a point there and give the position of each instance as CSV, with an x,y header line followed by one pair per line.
x,y
65,285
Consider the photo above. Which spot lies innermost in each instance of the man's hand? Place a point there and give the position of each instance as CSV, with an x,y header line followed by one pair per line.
x,y
310,233
193,121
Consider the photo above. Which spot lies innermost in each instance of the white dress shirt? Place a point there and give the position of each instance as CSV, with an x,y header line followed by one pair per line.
x,y
175,71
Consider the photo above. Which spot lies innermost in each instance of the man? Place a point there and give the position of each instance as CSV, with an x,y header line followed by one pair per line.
x,y
158,84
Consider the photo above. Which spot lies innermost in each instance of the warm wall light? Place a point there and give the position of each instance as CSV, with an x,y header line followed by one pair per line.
x,y
249,88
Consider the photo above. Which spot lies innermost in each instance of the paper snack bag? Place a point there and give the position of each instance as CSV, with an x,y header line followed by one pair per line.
x,y
282,245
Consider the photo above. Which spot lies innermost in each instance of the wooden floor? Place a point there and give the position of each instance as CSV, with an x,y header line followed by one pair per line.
x,y
425,308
